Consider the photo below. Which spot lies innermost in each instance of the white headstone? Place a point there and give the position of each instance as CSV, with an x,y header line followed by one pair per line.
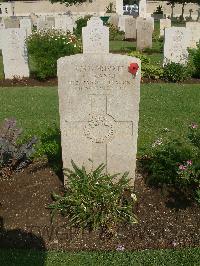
x,y
26,24
143,8
164,23
119,7
130,28
176,45
95,37
44,24
114,20
194,28
144,33
15,58
11,23
99,109
64,23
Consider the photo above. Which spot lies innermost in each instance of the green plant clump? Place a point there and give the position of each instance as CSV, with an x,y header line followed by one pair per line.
x,y
148,69
114,33
13,156
80,23
195,57
92,200
46,47
176,162
176,72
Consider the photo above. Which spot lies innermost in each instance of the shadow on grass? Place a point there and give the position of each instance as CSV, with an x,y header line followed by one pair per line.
x,y
10,240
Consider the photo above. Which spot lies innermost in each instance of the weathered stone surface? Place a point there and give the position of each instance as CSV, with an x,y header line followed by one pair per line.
x,y
15,59
99,111
164,23
34,19
121,23
99,108
143,8
26,24
44,24
114,20
194,28
144,33
11,22
130,28
64,23
176,45
95,37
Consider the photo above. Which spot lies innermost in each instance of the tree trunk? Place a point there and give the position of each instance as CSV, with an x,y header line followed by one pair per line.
x,y
183,9
172,7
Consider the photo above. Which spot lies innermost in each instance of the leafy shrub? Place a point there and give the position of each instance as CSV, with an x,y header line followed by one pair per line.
x,y
46,47
148,69
176,162
195,57
13,157
114,33
92,199
81,22
50,147
175,72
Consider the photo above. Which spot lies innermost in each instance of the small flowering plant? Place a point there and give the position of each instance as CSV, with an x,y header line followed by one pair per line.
x,y
176,162
45,47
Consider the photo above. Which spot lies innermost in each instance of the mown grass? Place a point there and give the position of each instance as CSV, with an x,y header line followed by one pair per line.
x,y
172,106
143,258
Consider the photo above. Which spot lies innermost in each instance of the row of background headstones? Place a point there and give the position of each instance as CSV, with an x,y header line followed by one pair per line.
x,y
177,40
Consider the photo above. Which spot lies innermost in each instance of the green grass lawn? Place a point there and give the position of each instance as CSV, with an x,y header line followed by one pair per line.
x,y
186,257
171,106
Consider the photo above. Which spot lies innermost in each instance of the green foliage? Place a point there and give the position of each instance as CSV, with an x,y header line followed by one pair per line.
x,y
176,162
195,57
149,70
114,33
176,72
158,10
50,147
94,201
46,47
13,157
81,22
110,8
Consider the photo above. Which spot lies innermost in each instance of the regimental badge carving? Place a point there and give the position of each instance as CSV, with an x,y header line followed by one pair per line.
x,y
100,128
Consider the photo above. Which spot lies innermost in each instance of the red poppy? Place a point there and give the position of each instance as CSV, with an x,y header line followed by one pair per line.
x,y
133,68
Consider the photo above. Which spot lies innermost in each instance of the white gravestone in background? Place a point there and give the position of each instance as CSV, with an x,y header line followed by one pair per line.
x,y
114,20
26,24
164,23
119,7
144,33
15,58
95,32
64,23
143,8
176,45
194,28
99,107
45,24
130,28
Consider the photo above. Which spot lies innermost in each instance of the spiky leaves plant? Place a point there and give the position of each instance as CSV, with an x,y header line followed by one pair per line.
x,y
92,200
13,157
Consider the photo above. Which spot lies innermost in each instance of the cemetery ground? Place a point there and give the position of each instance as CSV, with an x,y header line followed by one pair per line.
x,y
166,220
